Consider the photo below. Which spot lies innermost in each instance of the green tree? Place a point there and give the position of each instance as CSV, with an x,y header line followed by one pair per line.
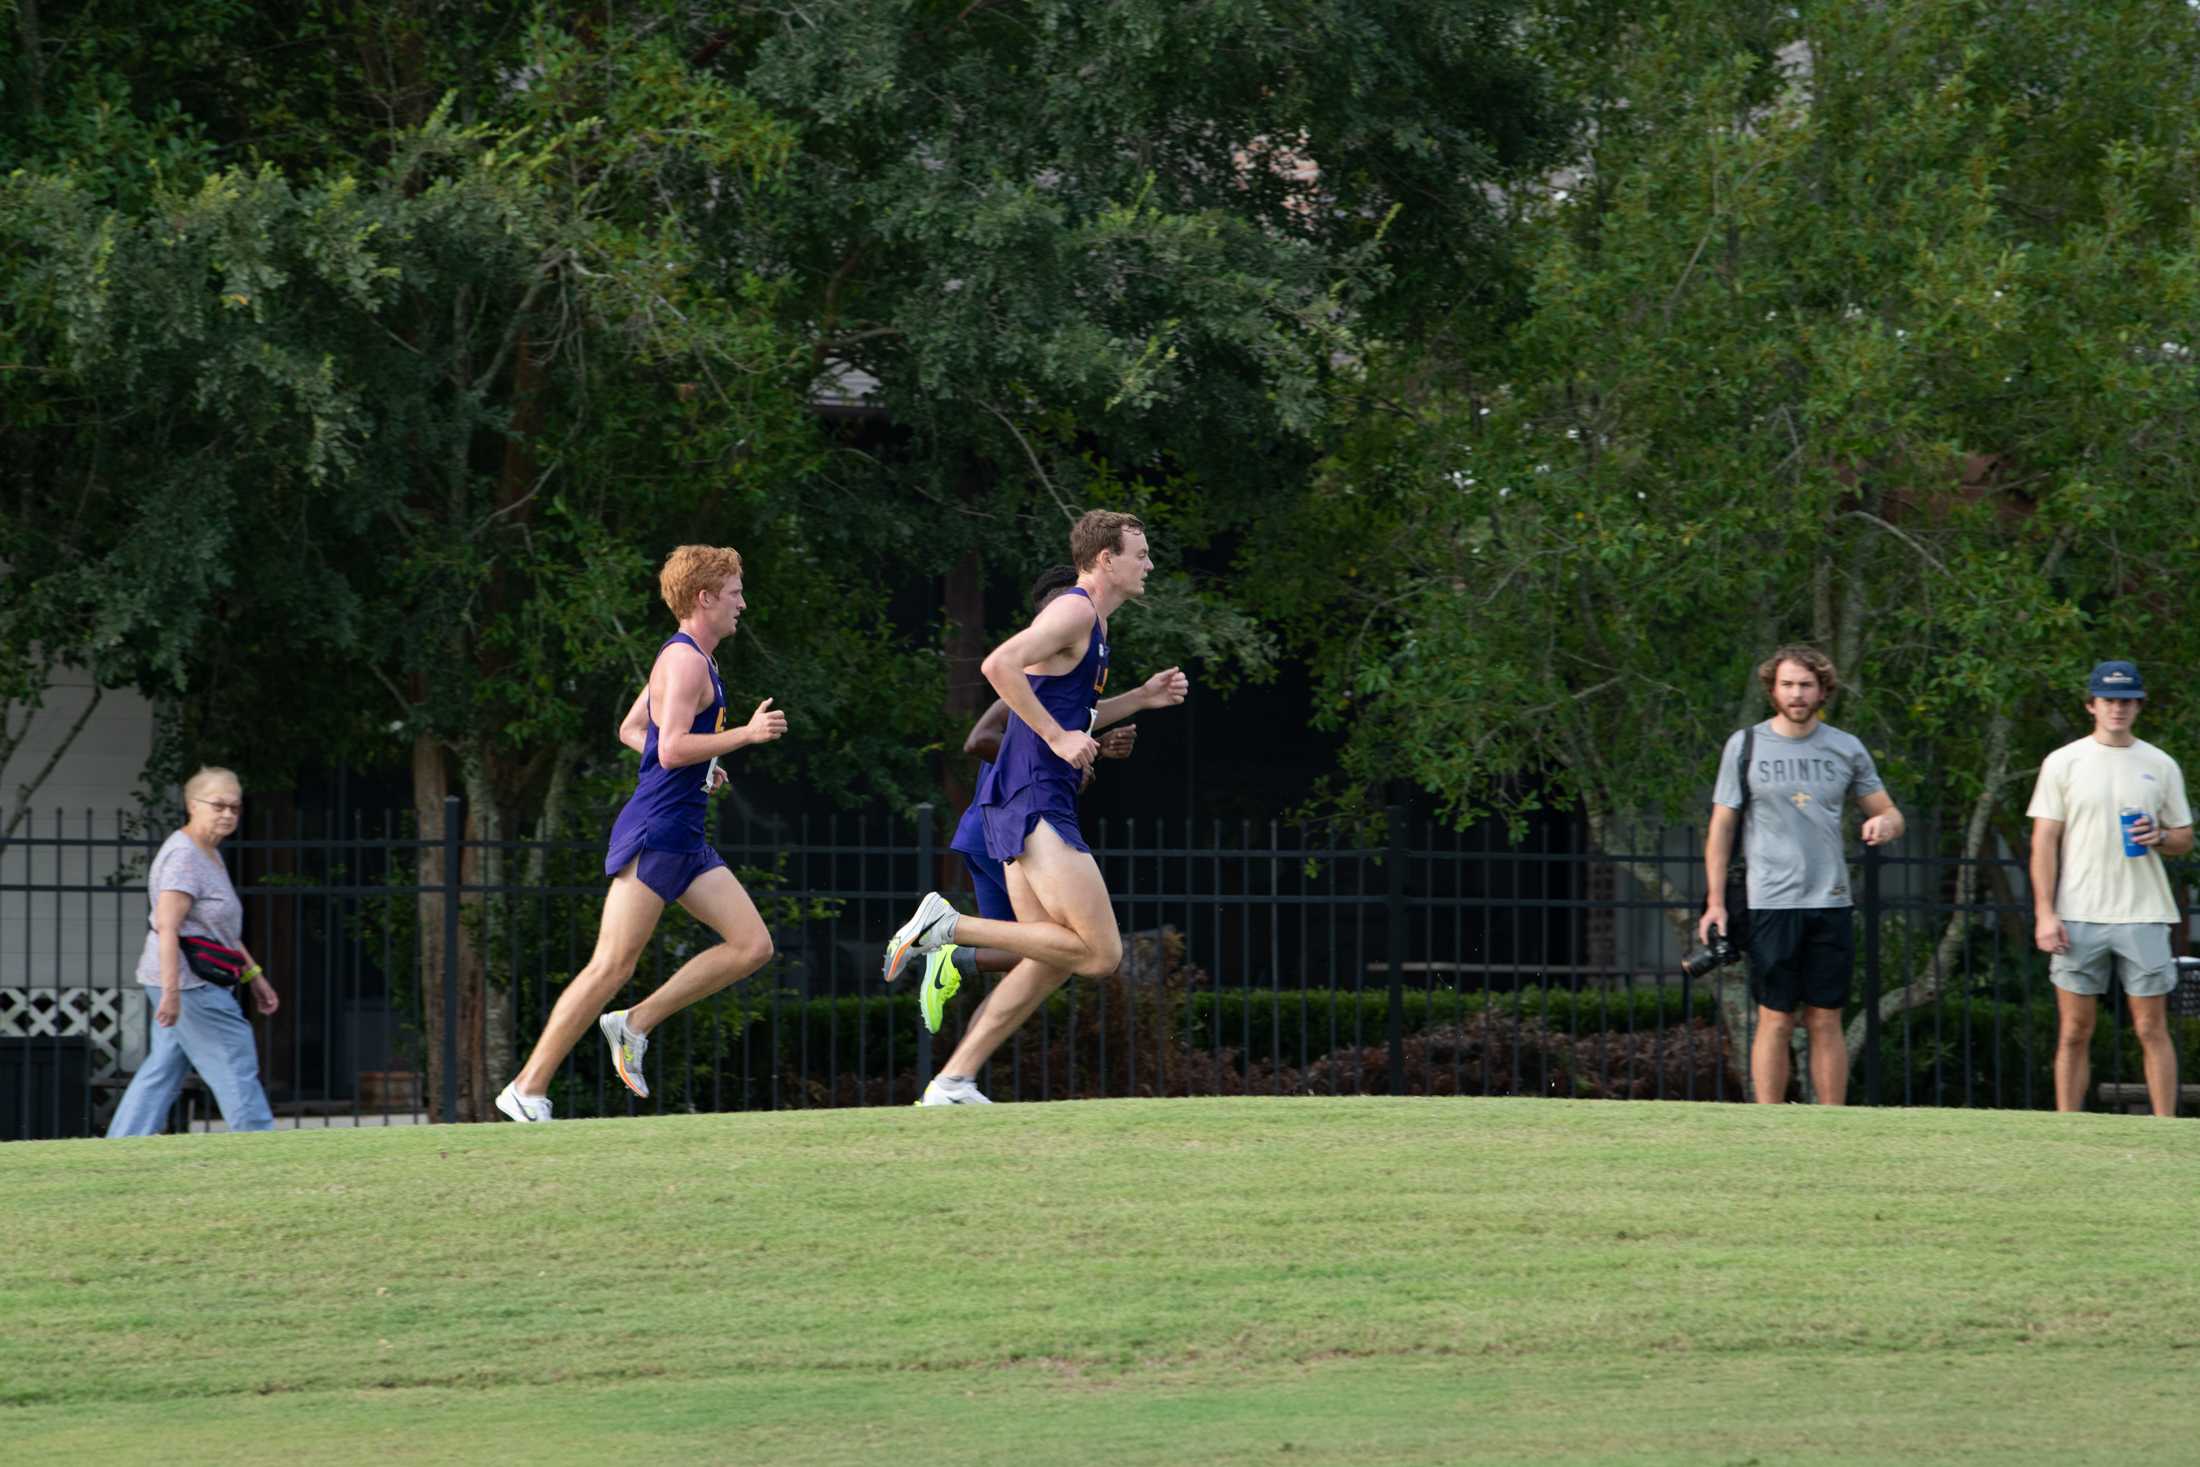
x,y
1869,326
175,456
1075,254
342,448
510,299
1112,254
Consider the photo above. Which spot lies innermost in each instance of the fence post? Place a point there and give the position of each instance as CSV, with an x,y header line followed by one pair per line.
x,y
1394,858
1873,864
451,834
927,875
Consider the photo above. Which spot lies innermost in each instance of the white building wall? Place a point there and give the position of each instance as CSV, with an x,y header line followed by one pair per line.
x,y
51,941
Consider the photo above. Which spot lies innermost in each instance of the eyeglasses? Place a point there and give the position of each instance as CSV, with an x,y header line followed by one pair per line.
x,y
227,807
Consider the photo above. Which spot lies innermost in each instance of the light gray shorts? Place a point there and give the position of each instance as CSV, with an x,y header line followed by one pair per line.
x,y
2137,952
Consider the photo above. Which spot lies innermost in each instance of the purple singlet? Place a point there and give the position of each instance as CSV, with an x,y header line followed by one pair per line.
x,y
1029,782
663,821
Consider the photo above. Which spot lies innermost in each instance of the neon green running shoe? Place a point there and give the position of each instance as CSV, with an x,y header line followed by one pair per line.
x,y
941,980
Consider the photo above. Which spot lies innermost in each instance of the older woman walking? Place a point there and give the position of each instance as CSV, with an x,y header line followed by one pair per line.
x,y
197,1024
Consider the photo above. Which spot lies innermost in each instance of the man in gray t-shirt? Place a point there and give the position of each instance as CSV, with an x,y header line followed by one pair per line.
x,y
1801,775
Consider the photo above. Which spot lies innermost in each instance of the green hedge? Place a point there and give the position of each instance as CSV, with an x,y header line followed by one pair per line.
x,y
1292,1027
1963,1051
1278,1022
1986,1052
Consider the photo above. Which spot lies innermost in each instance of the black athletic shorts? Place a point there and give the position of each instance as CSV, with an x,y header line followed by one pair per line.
x,y
1801,955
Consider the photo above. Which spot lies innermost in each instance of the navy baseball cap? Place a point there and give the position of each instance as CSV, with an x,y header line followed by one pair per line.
x,y
2118,679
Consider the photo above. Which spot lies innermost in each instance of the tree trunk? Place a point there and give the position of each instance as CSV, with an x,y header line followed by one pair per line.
x,y
1750,707
968,695
555,793
1928,985
1849,633
431,783
34,54
481,930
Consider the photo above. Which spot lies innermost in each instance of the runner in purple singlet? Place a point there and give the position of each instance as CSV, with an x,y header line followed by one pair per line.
x,y
1051,675
946,967
660,849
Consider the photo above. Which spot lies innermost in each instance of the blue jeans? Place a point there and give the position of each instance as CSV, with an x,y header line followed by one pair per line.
x,y
210,1035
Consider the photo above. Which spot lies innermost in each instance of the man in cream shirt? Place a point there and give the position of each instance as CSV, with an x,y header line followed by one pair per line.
x,y
2097,909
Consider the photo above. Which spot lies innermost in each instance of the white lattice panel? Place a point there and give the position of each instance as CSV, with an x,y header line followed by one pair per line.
x,y
34,1013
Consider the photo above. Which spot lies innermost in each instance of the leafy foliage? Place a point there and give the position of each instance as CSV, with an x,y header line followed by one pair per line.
x,y
518,296
1860,326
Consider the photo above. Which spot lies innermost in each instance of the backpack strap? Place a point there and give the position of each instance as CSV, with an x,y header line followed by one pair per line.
x,y
1749,745
1737,860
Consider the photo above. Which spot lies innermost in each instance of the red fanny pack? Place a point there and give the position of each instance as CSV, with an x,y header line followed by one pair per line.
x,y
211,961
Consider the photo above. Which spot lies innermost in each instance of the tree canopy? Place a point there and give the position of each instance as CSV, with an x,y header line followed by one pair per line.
x,y
446,321
1536,366
1866,327
1869,327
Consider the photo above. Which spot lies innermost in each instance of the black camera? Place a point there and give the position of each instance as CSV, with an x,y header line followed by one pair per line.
x,y
1717,953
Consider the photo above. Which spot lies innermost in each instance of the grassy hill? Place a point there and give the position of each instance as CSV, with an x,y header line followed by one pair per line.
x,y
1364,1281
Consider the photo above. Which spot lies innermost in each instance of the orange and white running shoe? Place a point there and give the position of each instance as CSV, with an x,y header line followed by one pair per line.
x,y
932,926
627,1049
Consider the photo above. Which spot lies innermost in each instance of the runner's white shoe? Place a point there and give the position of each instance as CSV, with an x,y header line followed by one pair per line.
x,y
523,1107
627,1049
954,1090
932,926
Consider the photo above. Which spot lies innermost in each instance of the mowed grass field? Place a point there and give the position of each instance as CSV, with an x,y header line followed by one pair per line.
x,y
1297,1280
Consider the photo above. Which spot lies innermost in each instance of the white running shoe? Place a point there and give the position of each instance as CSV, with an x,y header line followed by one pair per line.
x,y
523,1107
627,1049
954,1090
933,926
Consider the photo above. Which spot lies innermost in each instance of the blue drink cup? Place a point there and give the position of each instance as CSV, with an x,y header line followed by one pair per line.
x,y
2130,817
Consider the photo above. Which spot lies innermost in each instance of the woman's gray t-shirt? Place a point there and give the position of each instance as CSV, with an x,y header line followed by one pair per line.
x,y
1798,792
215,912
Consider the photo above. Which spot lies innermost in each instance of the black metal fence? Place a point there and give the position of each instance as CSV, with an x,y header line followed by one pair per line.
x,y
1259,960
